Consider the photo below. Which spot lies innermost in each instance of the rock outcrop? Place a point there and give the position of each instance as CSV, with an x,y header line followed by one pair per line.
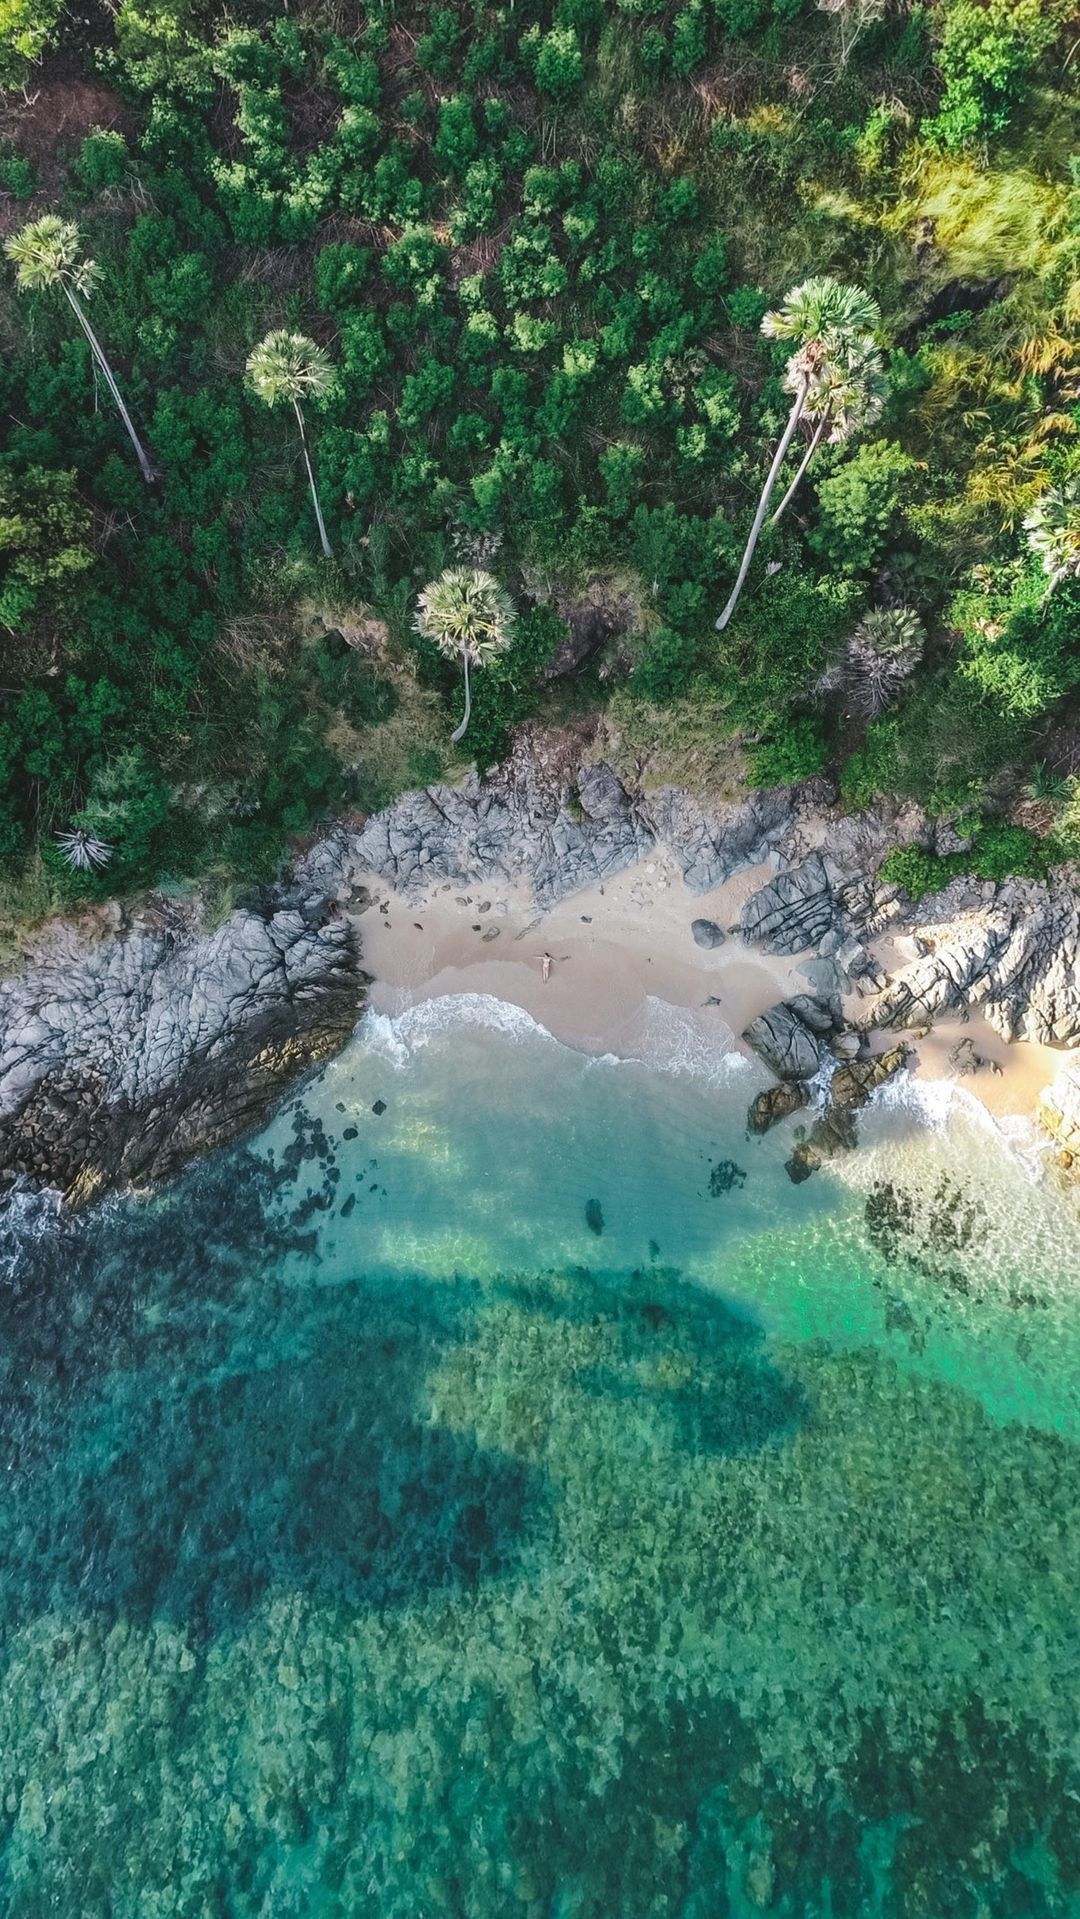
x,y
120,1060
552,818
1059,1112
849,1089
1012,950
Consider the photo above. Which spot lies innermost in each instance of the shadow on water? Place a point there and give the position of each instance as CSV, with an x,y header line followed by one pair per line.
x,y
728,1397
182,1428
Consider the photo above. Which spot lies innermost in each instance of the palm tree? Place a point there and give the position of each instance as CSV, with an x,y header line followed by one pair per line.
x,y
48,253
469,616
1053,531
845,398
83,850
828,321
883,651
288,366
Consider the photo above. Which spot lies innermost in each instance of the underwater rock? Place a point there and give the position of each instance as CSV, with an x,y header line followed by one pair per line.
x,y
594,1216
706,933
775,1104
725,1177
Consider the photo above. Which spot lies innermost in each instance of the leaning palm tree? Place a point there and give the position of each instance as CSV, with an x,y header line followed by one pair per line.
x,y
288,366
1053,531
48,253
827,321
469,616
846,397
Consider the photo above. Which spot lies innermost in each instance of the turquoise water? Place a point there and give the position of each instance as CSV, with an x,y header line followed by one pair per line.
x,y
523,1501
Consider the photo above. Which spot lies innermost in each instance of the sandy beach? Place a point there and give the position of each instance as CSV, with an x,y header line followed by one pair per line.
x,y
615,948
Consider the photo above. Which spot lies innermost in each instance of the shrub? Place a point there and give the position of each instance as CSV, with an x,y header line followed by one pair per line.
x,y
794,751
858,504
103,160
558,63
999,852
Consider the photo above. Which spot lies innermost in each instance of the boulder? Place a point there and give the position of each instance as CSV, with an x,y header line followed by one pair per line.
x,y
706,933
775,1104
794,911
787,1046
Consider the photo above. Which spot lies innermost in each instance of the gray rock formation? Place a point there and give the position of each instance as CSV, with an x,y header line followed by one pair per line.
x,y
788,1037
120,1060
706,933
553,820
795,910
1013,950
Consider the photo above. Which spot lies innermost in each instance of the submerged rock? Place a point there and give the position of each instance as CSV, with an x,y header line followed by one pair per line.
x,y
594,1216
725,1177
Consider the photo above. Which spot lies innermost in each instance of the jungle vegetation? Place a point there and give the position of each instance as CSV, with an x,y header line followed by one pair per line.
x,y
500,274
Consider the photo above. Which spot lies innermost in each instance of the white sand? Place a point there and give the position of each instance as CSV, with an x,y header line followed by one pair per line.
x,y
615,947
1026,1067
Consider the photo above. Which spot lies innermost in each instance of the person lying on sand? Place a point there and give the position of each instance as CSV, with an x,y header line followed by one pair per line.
x,y
547,963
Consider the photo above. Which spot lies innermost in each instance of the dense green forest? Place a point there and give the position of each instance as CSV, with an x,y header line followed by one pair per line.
x,y
479,290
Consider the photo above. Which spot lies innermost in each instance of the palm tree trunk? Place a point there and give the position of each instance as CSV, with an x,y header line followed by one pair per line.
x,y
459,732
323,541
146,467
759,518
819,434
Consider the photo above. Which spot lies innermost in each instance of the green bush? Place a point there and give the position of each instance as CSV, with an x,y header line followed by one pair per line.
x,y
999,852
987,51
794,751
103,160
858,504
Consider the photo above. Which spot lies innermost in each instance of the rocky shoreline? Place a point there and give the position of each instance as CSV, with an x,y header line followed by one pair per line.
x,y
121,1058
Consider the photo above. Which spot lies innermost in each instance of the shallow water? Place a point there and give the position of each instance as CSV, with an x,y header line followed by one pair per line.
x,y
523,1501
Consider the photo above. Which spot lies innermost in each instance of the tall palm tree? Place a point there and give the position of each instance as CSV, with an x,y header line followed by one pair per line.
x,y
826,319
845,398
1053,531
288,366
48,253
469,616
